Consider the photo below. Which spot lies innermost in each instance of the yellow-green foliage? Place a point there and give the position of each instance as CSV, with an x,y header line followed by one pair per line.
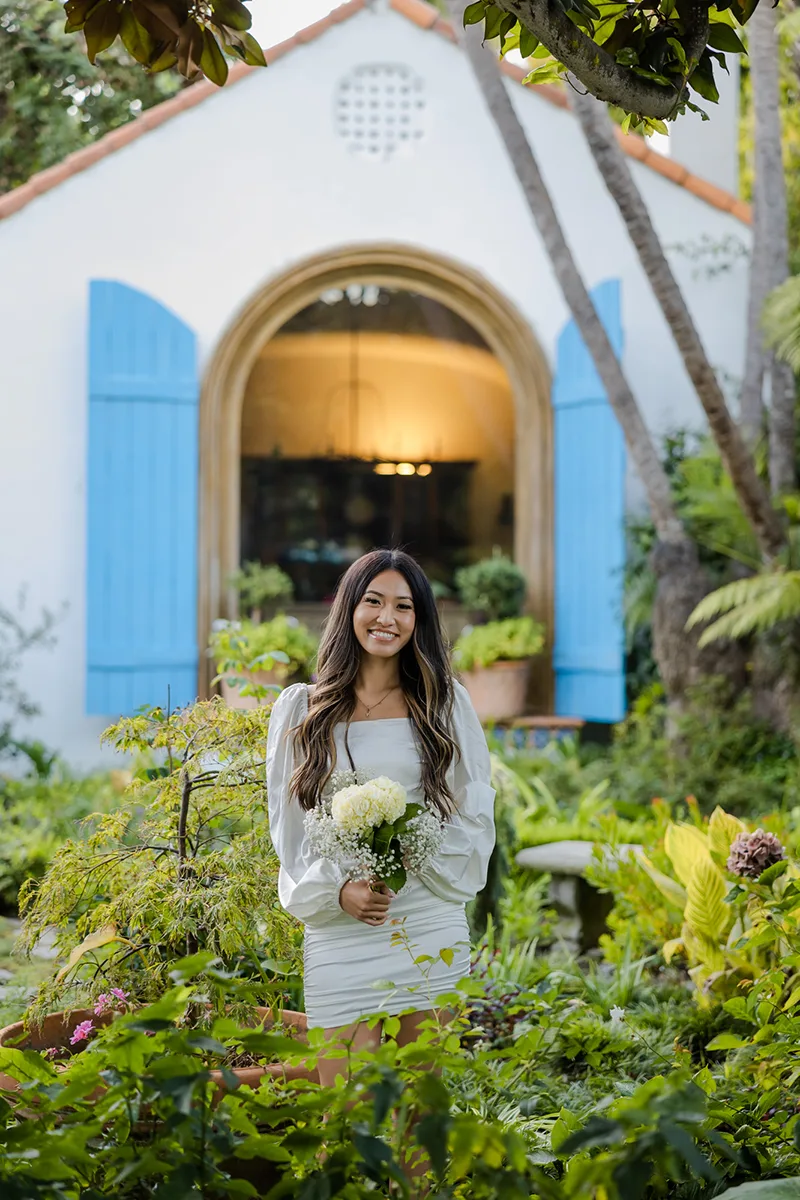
x,y
185,864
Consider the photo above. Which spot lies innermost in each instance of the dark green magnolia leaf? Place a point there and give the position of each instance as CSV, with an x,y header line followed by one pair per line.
x,y
76,12
702,79
190,50
245,47
527,43
474,13
495,18
101,28
232,13
744,10
162,13
722,37
212,60
135,38
598,1131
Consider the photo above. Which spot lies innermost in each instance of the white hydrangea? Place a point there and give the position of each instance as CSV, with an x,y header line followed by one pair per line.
x,y
364,806
344,825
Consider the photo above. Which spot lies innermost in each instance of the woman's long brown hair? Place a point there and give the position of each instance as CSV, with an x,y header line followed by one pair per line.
x,y
425,677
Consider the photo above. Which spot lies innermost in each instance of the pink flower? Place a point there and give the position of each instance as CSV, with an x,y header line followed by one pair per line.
x,y
51,1052
119,994
103,1004
82,1032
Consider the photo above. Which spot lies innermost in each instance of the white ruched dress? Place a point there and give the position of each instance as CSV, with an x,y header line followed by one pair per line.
x,y
349,966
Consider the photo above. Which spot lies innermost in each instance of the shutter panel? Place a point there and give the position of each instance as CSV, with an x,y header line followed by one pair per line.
x,y
589,655
142,477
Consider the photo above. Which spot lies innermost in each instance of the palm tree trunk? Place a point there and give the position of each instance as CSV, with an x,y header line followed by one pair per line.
x,y
637,436
681,580
771,253
613,166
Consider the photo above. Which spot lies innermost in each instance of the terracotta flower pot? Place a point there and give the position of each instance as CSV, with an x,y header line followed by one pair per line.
x,y
57,1029
498,692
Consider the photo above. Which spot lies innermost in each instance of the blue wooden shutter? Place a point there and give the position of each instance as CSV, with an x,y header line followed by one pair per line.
x,y
142,504
589,655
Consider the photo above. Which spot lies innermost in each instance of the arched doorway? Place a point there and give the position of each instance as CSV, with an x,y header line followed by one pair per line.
x,y
460,289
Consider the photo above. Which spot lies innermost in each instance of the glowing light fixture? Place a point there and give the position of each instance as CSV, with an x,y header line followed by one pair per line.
x,y
402,468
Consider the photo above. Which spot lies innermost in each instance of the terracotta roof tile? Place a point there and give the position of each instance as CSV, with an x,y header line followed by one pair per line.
x,y
423,15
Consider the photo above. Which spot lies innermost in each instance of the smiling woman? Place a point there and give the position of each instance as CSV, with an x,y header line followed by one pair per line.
x,y
382,649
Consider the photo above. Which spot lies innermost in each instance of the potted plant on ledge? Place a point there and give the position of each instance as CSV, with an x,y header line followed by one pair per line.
x,y
184,867
254,660
494,658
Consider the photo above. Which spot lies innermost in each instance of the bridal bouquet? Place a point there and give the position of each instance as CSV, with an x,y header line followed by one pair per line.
x,y
368,827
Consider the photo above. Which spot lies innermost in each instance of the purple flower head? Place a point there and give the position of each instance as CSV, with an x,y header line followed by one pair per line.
x,y
103,1004
51,1052
119,995
82,1032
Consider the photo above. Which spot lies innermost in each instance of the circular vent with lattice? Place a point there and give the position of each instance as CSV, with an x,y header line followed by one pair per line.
x,y
380,110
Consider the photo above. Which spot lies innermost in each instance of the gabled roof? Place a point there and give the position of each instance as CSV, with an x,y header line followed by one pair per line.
x,y
422,14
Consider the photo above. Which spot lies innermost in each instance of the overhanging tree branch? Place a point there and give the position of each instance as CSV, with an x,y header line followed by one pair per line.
x,y
597,69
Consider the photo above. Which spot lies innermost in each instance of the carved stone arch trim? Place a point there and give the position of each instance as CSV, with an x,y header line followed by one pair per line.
x,y
461,289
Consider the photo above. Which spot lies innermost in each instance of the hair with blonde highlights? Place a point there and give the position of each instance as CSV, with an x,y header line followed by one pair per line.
x,y
425,677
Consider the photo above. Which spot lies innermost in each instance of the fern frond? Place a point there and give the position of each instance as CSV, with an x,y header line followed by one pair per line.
x,y
748,606
782,322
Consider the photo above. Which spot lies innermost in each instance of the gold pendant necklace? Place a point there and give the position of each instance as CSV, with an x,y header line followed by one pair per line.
x,y
371,708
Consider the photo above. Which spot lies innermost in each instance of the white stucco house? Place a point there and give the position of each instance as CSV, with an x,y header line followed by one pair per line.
x,y
226,326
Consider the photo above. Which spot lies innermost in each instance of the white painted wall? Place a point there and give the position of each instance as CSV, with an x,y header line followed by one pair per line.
x,y
711,148
202,211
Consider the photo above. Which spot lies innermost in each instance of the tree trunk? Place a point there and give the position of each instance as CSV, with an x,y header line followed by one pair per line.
x,y
681,580
637,436
771,267
753,496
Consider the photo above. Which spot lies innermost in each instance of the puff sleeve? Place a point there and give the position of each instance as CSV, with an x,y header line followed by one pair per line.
x,y
458,872
308,887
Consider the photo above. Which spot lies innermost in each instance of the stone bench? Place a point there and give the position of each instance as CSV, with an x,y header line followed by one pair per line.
x,y
581,909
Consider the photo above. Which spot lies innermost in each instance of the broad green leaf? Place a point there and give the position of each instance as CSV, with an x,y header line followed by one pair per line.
x,y
232,13
212,60
474,13
101,28
726,1041
685,846
101,937
793,999
766,1189
25,1065
669,888
135,38
722,829
527,43
722,37
76,12
706,910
